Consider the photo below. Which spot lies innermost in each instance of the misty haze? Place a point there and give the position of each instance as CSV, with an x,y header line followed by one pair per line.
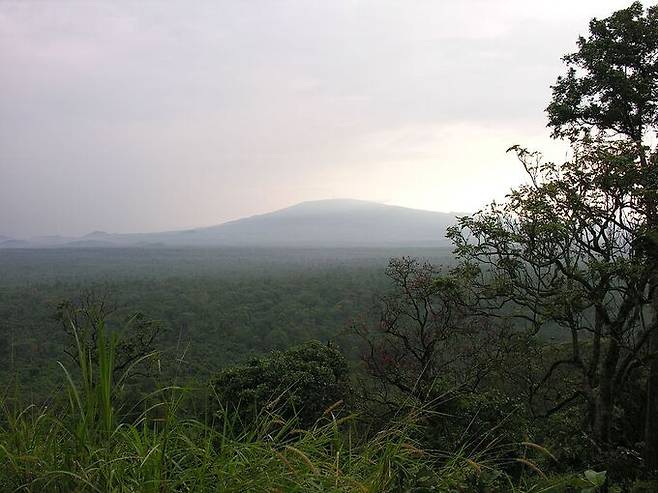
x,y
343,246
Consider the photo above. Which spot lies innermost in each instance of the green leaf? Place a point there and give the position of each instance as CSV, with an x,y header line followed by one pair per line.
x,y
596,478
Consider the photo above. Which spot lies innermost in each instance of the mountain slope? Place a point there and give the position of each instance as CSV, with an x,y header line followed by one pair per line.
x,y
322,223
334,223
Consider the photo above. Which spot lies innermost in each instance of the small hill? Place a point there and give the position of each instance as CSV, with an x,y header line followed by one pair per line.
x,y
10,243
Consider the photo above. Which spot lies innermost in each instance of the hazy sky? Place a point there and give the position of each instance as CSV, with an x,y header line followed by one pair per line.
x,y
145,116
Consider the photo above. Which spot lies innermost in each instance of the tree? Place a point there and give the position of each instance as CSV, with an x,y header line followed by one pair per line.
x,y
427,344
84,319
563,253
611,89
611,85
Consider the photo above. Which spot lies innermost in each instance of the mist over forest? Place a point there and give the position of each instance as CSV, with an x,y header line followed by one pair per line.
x,y
329,247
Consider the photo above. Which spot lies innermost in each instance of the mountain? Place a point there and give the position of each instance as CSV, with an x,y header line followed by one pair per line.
x,y
11,243
333,223
321,223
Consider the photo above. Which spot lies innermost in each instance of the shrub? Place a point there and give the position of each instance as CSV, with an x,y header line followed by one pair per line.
x,y
304,380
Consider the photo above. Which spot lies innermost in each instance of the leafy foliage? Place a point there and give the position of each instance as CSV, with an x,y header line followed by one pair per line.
x,y
612,80
562,249
303,382
85,320
531,360
85,446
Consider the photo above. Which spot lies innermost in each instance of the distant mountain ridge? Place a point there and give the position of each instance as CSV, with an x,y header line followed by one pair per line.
x,y
320,223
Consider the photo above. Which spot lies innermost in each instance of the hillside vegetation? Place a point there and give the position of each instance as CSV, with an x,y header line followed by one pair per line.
x,y
526,361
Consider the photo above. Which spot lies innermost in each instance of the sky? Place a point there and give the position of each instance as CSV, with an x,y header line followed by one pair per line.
x,y
127,116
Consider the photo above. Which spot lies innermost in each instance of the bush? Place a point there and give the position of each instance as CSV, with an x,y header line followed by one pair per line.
x,y
304,380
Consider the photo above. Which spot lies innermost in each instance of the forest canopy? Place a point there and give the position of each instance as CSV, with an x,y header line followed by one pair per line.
x,y
525,359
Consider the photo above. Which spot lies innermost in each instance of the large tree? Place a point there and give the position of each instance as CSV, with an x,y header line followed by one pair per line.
x,y
563,254
611,84
427,345
84,321
611,90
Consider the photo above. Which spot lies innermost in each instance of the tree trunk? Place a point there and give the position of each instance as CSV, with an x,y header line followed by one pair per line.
x,y
651,408
604,401
602,417
650,169
651,422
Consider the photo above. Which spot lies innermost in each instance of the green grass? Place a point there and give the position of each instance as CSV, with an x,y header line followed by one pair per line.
x,y
40,452
85,443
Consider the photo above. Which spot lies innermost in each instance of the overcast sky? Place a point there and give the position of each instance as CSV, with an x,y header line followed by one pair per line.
x,y
146,116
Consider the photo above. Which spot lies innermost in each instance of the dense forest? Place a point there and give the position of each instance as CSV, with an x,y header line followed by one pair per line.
x,y
524,358
217,306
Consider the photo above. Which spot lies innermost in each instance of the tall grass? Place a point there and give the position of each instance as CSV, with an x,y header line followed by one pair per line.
x,y
86,444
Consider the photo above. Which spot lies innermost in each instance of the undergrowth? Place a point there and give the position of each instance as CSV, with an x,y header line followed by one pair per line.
x,y
88,443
